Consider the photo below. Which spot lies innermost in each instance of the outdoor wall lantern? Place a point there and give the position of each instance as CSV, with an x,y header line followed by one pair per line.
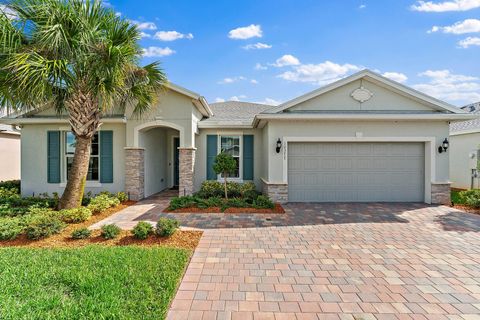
x,y
444,146
279,145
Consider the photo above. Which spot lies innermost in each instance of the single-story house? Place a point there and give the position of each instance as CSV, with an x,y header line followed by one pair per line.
x,y
9,153
465,151
363,138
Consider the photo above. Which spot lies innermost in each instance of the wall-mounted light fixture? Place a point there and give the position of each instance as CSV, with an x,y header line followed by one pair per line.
x,y
279,145
444,146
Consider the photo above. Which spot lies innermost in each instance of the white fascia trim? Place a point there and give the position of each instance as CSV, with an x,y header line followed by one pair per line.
x,y
18,121
462,132
226,124
379,79
199,101
364,116
430,153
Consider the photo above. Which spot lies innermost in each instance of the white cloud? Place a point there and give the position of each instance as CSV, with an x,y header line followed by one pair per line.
x,y
231,80
286,60
320,74
238,98
219,99
396,76
145,35
253,81
269,101
172,35
362,6
157,52
468,42
460,27
444,85
257,45
259,66
450,5
253,30
9,13
144,25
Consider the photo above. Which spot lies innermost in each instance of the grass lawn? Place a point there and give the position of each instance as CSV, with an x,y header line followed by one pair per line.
x,y
94,282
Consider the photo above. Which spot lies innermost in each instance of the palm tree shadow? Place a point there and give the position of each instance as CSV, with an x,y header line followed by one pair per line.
x,y
459,221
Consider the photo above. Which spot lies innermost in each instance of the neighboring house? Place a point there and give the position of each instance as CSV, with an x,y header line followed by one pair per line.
x,y
363,138
465,150
9,153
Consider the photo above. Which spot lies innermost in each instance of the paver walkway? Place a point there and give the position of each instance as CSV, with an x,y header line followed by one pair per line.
x,y
421,263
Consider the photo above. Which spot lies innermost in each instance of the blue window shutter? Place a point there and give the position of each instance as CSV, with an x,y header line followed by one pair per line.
x,y
106,156
212,145
53,156
248,157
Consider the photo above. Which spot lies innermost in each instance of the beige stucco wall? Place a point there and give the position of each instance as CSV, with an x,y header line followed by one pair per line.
x,y
382,130
9,156
173,110
461,146
201,153
382,99
34,160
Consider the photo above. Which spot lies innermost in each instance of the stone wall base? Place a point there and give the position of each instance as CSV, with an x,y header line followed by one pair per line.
x,y
135,173
278,192
441,193
187,166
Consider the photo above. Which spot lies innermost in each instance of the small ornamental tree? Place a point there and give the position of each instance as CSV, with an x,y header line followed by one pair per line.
x,y
224,164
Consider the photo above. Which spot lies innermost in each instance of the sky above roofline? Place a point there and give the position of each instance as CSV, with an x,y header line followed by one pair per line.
x,y
272,51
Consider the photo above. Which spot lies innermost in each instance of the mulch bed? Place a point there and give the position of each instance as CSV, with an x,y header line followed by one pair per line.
x,y
466,208
180,239
278,210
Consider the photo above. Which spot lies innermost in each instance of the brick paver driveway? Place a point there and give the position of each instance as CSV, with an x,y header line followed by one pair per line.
x,y
423,263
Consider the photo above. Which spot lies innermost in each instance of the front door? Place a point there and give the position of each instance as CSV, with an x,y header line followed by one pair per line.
x,y
176,162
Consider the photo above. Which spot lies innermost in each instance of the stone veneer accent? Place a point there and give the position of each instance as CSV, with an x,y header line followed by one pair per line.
x,y
187,165
441,193
135,173
278,192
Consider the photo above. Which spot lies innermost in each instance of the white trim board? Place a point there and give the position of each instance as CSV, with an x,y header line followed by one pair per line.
x,y
430,152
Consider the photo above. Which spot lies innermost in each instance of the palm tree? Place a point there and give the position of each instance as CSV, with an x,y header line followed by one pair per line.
x,y
80,58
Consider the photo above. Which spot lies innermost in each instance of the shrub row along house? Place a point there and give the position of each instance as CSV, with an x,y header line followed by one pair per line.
x,y
362,138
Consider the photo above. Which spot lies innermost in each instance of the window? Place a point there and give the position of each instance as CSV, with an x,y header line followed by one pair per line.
x,y
93,167
231,145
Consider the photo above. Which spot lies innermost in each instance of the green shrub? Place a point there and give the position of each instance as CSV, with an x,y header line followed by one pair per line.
x,y
75,215
10,228
142,230
166,227
11,184
182,202
102,202
9,193
471,197
211,188
82,233
34,210
43,225
236,203
110,231
122,196
250,196
263,202
234,189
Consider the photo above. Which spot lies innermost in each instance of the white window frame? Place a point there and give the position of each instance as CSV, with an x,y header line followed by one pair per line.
x,y
240,154
63,141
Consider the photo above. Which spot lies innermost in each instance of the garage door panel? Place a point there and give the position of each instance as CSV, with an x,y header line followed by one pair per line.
x,y
356,172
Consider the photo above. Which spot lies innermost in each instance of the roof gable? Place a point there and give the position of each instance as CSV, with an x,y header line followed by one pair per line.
x,y
381,95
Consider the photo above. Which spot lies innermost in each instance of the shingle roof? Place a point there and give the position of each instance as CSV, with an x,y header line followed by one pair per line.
x,y
235,111
470,124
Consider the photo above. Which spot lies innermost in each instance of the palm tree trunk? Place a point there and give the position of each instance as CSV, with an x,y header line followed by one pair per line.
x,y
73,194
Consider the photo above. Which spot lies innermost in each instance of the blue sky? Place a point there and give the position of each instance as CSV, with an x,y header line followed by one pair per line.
x,y
272,51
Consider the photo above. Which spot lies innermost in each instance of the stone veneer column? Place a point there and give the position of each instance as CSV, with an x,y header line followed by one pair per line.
x,y
135,173
277,192
186,174
441,193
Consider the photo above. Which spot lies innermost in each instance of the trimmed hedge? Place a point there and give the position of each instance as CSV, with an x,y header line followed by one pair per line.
x,y
260,202
43,225
75,215
471,197
102,202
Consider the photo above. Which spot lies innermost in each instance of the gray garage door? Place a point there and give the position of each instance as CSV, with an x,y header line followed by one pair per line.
x,y
356,172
